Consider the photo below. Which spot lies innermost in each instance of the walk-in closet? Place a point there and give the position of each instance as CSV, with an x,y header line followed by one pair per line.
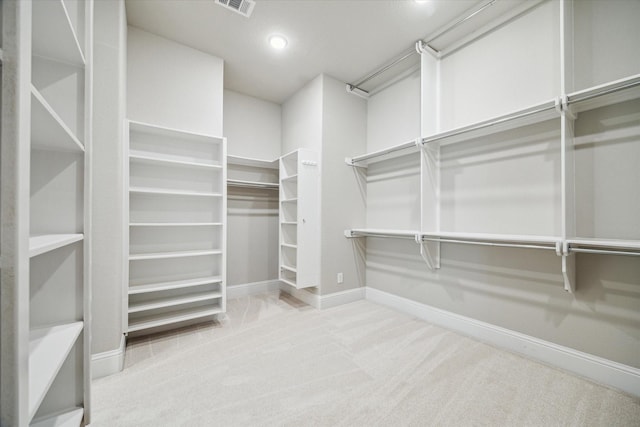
x,y
356,213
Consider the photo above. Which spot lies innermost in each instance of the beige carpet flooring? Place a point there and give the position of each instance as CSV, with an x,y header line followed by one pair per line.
x,y
277,362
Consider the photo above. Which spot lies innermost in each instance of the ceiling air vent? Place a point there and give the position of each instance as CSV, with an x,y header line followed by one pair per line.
x,y
243,7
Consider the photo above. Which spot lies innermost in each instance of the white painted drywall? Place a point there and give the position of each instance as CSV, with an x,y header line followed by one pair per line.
x,y
343,199
173,85
302,118
108,281
252,126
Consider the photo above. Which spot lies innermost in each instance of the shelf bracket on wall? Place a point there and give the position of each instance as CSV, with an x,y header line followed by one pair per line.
x,y
433,262
568,266
562,106
349,161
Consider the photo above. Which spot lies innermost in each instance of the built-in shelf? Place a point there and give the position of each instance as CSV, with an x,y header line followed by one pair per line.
x,y
606,94
48,130
147,190
383,233
178,254
488,239
48,350
174,224
251,162
289,268
287,245
386,153
167,286
144,157
292,200
535,114
252,184
289,282
53,35
292,178
176,134
155,320
171,302
71,418
49,242
289,223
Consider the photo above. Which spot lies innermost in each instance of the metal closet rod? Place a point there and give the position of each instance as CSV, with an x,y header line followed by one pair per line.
x,y
409,52
579,98
604,251
480,243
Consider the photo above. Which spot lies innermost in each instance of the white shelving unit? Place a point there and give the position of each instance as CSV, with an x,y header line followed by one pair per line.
x,y
247,172
46,150
586,204
300,219
177,227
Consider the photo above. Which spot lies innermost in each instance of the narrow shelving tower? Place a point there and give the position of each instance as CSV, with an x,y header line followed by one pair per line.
x,y
46,146
177,227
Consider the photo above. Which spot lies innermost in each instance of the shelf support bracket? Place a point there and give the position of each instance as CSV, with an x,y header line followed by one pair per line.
x,y
568,268
426,252
349,161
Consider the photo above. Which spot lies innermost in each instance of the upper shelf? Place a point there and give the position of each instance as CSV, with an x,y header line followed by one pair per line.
x,y
396,150
173,133
162,191
377,232
605,94
145,157
249,161
48,131
53,33
49,242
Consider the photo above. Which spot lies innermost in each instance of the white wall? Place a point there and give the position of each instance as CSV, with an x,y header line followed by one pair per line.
x,y
253,129
343,198
252,126
302,118
108,194
173,85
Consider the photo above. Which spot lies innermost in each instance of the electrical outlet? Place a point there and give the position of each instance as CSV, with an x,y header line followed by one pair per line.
x,y
340,278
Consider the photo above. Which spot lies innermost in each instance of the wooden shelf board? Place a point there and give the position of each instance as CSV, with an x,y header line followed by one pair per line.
x,y
173,133
252,184
48,130
160,191
173,224
48,350
71,418
178,284
144,157
53,35
49,242
170,302
288,268
176,254
156,320
605,243
249,161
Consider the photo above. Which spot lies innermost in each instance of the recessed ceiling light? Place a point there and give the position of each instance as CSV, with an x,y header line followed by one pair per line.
x,y
277,41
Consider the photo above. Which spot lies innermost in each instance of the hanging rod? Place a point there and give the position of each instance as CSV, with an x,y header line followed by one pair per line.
x,y
604,251
251,184
548,106
394,234
479,243
405,145
352,87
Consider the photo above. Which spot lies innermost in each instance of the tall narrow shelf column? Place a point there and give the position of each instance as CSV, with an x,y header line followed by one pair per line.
x,y
177,227
46,160
300,219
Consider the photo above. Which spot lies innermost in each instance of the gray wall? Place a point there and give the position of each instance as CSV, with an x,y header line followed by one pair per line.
x,y
110,32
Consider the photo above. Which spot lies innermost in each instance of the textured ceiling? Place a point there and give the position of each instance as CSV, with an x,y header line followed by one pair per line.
x,y
343,38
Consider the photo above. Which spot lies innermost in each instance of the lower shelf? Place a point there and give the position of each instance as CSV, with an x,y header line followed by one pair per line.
x,y
167,286
170,302
71,418
289,282
156,320
48,349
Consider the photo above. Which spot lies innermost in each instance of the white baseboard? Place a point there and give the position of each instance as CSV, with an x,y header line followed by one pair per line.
x,y
108,362
600,370
343,297
239,291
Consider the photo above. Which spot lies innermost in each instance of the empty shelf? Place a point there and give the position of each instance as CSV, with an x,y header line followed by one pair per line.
x,y
71,418
252,184
48,131
292,178
170,302
292,200
535,114
173,133
147,190
178,284
288,268
606,94
287,245
399,149
144,157
173,224
53,35
49,242
289,223
289,282
373,232
48,350
249,161
156,320
178,254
